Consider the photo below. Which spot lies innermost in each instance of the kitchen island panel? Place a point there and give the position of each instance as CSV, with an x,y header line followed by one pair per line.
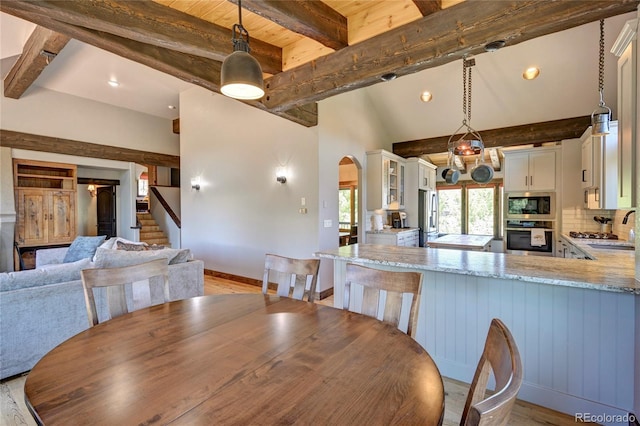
x,y
573,357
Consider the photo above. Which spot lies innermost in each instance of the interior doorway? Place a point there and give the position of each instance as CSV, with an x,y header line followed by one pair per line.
x,y
106,211
348,201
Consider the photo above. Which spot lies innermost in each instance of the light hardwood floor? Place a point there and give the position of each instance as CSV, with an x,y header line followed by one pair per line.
x,y
13,410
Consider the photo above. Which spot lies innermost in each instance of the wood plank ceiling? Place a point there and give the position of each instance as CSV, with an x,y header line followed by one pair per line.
x,y
309,49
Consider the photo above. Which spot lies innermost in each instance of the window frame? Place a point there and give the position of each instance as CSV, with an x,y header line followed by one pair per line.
x,y
498,194
353,186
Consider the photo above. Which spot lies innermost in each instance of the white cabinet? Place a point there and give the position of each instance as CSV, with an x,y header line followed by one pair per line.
x,y
530,170
385,180
408,238
589,164
627,116
426,174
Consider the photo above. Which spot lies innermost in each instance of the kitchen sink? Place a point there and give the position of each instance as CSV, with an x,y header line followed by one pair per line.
x,y
611,247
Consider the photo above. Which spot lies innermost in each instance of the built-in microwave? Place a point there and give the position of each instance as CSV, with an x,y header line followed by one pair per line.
x,y
530,205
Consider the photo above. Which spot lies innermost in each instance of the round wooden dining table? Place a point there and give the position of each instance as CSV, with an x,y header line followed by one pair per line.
x,y
237,359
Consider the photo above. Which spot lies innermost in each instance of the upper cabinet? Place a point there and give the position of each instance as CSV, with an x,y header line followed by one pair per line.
x,y
530,170
420,175
385,180
599,177
626,47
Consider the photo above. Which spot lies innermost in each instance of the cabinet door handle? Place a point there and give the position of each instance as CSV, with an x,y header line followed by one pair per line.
x,y
583,178
526,180
586,196
530,180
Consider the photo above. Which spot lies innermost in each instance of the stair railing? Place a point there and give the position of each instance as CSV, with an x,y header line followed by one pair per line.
x,y
167,207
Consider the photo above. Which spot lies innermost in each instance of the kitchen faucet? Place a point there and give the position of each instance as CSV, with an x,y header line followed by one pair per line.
x,y
626,216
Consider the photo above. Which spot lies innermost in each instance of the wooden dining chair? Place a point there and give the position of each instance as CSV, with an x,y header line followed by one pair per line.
x,y
115,281
291,276
395,284
500,355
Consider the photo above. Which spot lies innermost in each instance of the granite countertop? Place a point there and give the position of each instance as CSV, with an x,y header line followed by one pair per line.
x,y
612,270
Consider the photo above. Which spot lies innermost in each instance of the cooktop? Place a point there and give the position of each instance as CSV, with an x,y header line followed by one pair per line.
x,y
593,235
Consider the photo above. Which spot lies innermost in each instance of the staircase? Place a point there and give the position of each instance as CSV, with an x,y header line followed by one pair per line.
x,y
150,232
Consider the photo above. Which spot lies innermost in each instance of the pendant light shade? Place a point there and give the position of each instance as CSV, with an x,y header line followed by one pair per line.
x,y
241,74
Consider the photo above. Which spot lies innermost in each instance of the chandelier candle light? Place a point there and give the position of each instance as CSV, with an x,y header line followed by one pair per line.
x,y
601,116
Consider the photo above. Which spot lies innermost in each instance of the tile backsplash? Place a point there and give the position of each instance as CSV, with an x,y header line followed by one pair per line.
x,y
575,219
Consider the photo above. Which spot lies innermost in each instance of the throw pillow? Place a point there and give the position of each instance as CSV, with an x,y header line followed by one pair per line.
x,y
131,246
83,247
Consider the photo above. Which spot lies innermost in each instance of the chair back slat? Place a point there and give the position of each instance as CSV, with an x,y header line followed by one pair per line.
x,y
115,280
291,276
500,356
394,284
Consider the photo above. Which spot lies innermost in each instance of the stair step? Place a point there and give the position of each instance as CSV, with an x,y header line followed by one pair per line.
x,y
159,241
145,216
144,235
147,222
149,228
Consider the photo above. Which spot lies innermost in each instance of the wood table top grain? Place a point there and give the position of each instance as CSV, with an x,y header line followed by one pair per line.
x,y
237,359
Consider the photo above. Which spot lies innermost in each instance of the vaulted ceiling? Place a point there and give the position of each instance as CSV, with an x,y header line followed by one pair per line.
x,y
309,50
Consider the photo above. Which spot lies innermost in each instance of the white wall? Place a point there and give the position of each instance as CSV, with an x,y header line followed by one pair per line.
x,y
347,126
241,212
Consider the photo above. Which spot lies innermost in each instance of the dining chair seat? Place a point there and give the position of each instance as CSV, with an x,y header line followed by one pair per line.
x,y
501,356
396,286
294,277
115,280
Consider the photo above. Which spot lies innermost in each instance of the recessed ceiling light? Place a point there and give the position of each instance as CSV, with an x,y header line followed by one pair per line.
x,y
426,96
172,107
389,76
531,73
494,45
113,83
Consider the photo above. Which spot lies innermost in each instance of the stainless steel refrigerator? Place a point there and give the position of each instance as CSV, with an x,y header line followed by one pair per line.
x,y
427,216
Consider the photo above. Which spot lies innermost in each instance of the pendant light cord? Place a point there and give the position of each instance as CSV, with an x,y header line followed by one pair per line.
x,y
601,64
466,95
240,13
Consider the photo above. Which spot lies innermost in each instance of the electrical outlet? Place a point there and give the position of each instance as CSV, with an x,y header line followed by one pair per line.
x,y
302,210
328,223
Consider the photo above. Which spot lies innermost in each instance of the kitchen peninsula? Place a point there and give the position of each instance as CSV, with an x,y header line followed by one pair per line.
x,y
573,320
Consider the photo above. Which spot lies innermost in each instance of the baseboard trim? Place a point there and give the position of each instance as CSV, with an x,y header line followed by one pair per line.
x,y
258,283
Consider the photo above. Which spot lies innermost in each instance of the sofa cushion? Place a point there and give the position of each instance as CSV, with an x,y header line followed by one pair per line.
x,y
83,247
106,258
50,274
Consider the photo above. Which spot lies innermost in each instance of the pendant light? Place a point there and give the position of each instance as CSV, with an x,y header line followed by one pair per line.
x,y
241,74
601,116
470,143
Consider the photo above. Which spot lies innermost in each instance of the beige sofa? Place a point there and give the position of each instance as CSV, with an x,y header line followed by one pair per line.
x,y
41,308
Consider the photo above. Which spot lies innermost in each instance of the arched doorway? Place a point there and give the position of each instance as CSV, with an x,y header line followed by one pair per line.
x,y
348,201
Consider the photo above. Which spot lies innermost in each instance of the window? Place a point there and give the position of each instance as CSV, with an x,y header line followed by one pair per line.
x,y
470,208
348,206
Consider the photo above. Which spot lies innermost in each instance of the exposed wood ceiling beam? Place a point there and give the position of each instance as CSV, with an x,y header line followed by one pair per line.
x,y
311,18
432,41
147,22
203,72
32,142
32,61
427,7
535,133
495,158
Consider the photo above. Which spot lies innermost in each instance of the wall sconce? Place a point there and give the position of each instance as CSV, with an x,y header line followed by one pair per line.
x,y
281,175
195,183
92,190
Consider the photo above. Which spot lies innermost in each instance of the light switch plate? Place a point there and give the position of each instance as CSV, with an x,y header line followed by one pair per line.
x,y
327,223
